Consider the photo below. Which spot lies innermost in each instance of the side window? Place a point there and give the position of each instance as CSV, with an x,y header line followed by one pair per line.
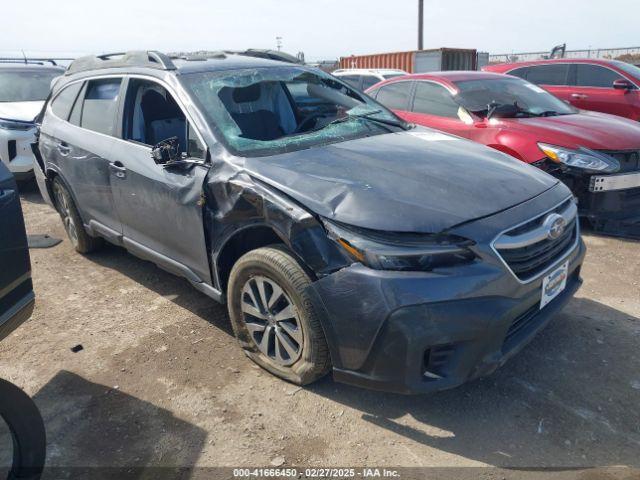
x,y
152,115
62,104
369,81
550,74
395,95
595,76
353,80
76,112
100,106
433,99
520,72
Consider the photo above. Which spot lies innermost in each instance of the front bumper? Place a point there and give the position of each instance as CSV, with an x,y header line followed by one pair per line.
x,y
610,204
15,151
418,332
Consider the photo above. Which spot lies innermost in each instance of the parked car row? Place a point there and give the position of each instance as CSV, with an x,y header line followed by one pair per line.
x,y
340,236
596,154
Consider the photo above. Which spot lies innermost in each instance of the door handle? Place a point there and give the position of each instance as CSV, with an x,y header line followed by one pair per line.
x,y
579,96
6,196
63,148
118,169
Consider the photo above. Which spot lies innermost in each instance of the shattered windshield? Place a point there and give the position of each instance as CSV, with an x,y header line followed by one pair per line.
x,y
532,101
26,86
266,111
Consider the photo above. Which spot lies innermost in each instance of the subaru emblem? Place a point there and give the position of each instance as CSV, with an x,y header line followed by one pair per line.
x,y
555,225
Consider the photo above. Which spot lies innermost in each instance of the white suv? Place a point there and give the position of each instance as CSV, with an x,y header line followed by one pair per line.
x,y
363,78
23,89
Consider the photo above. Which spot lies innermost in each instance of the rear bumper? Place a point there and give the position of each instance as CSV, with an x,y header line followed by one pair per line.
x,y
19,313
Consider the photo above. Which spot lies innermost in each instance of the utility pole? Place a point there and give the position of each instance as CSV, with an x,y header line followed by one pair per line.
x,y
420,23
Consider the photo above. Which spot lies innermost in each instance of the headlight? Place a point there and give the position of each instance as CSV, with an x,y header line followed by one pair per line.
x,y
581,158
400,251
15,125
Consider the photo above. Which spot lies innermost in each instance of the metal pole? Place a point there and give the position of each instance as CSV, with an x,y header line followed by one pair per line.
x,y
420,23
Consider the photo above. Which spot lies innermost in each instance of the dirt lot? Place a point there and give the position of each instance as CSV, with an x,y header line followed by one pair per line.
x,y
161,381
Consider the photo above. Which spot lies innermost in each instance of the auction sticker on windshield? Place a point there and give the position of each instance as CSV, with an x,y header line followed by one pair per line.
x,y
553,284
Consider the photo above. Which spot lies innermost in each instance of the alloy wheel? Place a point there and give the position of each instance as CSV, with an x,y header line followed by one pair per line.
x,y
272,320
67,220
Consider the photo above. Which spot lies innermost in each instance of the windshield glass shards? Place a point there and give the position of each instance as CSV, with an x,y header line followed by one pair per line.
x,y
483,95
267,111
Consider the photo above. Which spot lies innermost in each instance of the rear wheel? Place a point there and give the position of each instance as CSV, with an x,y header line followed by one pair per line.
x,y
80,239
274,319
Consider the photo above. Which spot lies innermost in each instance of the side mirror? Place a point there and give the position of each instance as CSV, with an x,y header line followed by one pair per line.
x,y
166,151
623,84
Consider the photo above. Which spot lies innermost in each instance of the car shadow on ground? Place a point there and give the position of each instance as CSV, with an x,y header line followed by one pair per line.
x,y
176,289
96,431
569,399
29,191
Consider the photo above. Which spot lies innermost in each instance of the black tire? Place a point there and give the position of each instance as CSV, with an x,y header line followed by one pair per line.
x,y
80,239
277,264
27,431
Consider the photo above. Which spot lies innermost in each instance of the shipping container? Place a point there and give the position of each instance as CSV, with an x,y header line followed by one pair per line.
x,y
417,61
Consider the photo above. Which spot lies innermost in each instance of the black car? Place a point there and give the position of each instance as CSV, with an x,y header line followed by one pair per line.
x,y
341,237
17,410
16,290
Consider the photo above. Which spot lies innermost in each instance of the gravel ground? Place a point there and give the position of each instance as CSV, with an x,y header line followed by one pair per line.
x,y
160,380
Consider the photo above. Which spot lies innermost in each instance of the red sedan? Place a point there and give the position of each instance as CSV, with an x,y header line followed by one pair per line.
x,y
597,155
608,86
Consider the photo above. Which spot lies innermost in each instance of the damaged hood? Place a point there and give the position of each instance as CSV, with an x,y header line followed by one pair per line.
x,y
415,181
585,129
21,111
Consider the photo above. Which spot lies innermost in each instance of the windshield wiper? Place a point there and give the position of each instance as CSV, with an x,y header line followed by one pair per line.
x,y
367,115
550,113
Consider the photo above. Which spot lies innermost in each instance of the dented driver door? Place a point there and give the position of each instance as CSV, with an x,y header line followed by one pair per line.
x,y
161,211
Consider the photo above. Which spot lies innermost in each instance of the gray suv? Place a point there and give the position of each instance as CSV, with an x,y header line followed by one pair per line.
x,y
340,237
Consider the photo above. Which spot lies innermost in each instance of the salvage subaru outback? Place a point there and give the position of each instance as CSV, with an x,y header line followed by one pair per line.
x,y
340,237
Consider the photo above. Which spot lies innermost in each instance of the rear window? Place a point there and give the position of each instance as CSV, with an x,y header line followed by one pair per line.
x,y
551,74
369,81
520,72
395,95
100,105
595,76
353,80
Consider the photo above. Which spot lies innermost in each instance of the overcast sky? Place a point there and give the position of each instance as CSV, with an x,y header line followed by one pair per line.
x,y
320,28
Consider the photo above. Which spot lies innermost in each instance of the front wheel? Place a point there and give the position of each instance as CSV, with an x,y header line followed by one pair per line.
x,y
274,319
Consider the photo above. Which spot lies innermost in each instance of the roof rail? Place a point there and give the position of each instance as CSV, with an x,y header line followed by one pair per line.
x,y
32,61
198,56
135,58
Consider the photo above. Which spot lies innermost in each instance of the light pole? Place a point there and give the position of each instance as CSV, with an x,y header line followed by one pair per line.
x,y
420,23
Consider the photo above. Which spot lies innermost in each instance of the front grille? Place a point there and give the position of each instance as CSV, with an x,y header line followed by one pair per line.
x,y
629,159
436,361
531,259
